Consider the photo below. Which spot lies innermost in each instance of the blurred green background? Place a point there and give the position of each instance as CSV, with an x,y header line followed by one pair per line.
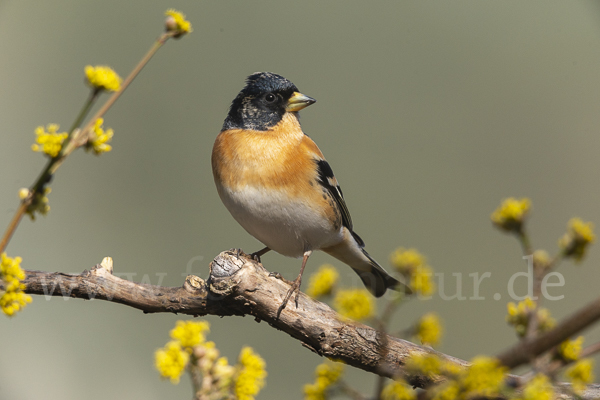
x,y
429,112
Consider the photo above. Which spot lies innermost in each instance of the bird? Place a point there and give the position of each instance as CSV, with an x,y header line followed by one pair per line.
x,y
278,186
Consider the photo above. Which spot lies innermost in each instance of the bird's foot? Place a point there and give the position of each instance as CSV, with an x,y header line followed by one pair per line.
x,y
294,288
276,275
237,252
256,255
289,294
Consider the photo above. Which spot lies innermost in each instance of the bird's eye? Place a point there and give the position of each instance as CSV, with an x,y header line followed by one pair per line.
x,y
270,98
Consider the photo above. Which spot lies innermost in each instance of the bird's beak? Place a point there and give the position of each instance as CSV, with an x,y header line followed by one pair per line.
x,y
298,101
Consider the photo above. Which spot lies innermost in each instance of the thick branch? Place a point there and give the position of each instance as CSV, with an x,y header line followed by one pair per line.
x,y
238,285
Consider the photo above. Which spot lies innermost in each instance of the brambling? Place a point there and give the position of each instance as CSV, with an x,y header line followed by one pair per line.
x,y
278,186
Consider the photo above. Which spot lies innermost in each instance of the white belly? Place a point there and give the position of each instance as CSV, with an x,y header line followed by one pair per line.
x,y
287,226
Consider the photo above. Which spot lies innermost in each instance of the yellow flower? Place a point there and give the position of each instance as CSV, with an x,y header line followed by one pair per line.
x,y
223,372
49,143
355,304
569,350
579,235
539,388
103,78
447,391
12,300
99,138
484,377
581,374
171,361
313,392
322,282
541,259
39,204
190,333
24,193
519,314
426,364
412,265
406,260
176,22
511,214
397,391
429,329
10,269
251,376
545,320
420,281
326,375
206,353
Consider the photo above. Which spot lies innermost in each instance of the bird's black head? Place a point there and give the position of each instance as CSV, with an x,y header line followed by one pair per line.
x,y
263,102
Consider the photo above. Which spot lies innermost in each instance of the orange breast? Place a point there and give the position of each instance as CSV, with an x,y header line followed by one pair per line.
x,y
280,158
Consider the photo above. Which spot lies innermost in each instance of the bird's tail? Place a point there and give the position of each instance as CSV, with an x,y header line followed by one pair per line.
x,y
376,279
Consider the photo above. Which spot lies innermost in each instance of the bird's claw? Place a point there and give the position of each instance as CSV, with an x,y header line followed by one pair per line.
x,y
276,275
295,288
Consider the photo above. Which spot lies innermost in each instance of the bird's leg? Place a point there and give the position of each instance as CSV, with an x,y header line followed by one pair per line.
x,y
257,255
295,285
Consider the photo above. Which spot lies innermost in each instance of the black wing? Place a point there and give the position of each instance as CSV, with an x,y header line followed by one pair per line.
x,y
328,181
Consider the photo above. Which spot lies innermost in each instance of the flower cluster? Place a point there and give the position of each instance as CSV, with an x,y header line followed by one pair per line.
x,y
171,361
357,304
12,300
406,259
581,374
413,265
429,329
190,333
103,78
396,390
539,388
541,260
216,372
569,350
425,364
190,350
484,378
323,281
519,314
39,202
250,378
176,22
326,375
511,214
579,235
99,138
49,141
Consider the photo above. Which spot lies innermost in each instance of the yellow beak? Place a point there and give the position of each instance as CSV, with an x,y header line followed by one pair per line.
x,y
298,101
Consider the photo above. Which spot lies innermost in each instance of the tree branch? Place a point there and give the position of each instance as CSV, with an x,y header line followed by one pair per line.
x,y
528,349
238,285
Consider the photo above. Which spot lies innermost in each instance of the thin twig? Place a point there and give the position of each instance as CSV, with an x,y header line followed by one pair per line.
x,y
12,226
523,351
350,391
85,132
75,140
